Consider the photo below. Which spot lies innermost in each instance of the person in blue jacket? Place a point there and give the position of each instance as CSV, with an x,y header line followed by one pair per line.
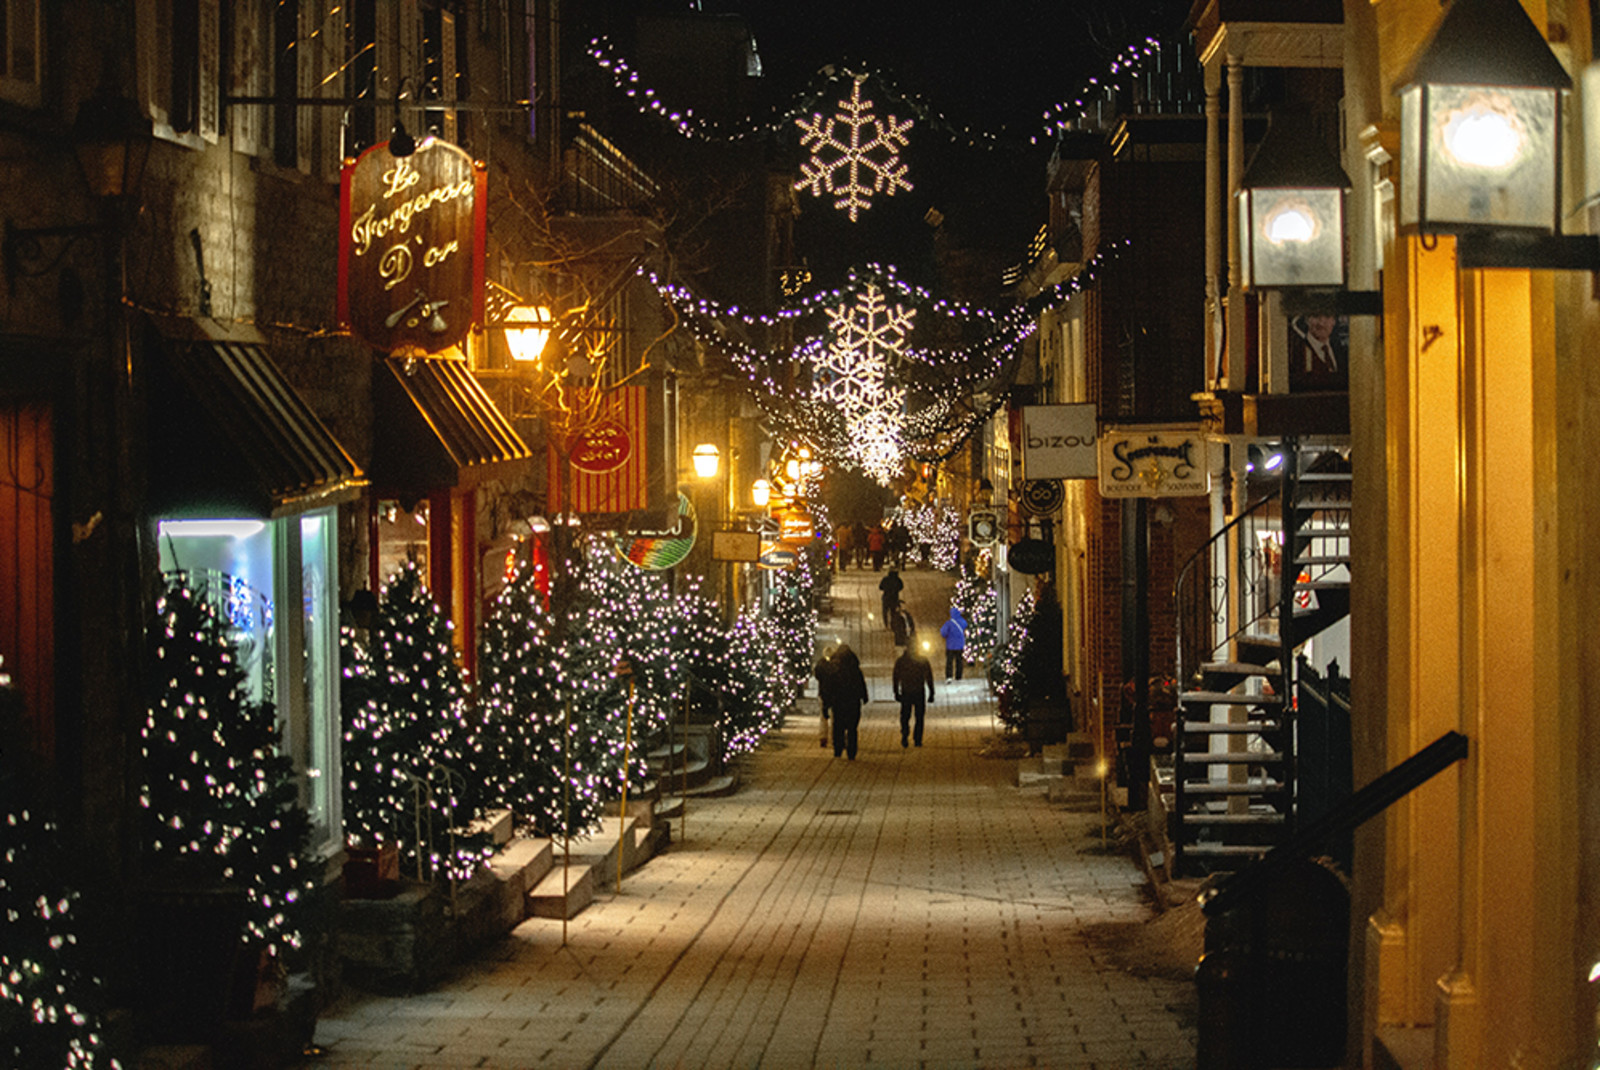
x,y
954,634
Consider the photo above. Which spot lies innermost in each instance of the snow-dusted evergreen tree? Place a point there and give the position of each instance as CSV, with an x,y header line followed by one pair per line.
x,y
220,802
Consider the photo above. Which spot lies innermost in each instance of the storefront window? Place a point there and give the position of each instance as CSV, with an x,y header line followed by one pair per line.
x,y
402,537
273,581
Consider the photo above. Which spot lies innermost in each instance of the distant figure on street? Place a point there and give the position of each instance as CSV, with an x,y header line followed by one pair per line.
x,y
875,543
891,586
954,634
903,626
898,543
849,695
859,541
912,673
827,673
844,536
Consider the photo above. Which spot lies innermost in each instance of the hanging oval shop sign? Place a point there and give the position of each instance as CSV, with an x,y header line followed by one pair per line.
x,y
603,448
411,237
1031,557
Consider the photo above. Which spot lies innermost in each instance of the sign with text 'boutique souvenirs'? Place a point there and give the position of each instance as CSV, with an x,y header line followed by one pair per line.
x,y
411,238
1154,464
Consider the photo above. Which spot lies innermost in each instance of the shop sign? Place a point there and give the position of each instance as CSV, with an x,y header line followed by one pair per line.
x,y
655,550
602,448
1031,557
796,527
1154,464
1041,497
776,555
983,527
1058,441
411,240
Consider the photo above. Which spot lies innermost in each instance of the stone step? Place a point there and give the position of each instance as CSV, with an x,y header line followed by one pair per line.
x,y
671,806
563,893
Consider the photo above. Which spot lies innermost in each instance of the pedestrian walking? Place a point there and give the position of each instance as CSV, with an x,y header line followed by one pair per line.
x,y
845,546
912,674
827,672
954,634
903,626
891,586
859,541
875,543
849,695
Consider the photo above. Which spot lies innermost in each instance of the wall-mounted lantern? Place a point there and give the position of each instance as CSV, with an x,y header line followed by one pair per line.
x,y
1291,210
527,329
761,493
1480,122
705,460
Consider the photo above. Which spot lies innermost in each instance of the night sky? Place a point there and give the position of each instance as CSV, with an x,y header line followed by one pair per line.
x,y
992,66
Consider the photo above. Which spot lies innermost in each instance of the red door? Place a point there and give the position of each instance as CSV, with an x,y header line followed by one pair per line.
x,y
27,566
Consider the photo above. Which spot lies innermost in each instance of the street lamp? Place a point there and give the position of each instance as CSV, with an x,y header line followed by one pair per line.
x,y
1480,122
705,460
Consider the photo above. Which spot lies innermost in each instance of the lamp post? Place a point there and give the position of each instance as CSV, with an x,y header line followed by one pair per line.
x,y
1480,139
1291,211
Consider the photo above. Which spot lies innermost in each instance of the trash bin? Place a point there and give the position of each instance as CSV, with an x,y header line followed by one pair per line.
x,y
1272,981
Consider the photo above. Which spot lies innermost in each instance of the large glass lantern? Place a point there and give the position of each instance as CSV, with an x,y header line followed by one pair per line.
x,y
1291,210
1480,118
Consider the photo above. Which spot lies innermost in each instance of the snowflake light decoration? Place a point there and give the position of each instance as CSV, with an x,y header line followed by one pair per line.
x,y
842,162
868,337
852,370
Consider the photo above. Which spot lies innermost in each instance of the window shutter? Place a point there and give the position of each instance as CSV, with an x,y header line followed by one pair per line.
x,y
208,105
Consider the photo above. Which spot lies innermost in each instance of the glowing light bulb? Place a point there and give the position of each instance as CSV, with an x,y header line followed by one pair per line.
x,y
1484,133
1288,222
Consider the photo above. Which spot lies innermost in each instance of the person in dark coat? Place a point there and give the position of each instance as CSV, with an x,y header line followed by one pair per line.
x,y
912,673
954,634
849,695
891,586
827,672
903,625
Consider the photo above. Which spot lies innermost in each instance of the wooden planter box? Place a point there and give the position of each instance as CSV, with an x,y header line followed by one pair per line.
x,y
372,872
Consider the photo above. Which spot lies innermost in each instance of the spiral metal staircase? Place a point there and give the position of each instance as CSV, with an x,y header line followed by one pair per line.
x,y
1274,577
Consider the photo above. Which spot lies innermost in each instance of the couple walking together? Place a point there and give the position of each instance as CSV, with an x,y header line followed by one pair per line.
x,y
843,689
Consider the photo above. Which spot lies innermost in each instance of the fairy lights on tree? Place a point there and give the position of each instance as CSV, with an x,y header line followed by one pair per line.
x,y
854,154
975,596
413,752
220,802
48,997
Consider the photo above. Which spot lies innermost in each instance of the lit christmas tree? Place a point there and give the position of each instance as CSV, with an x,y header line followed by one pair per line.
x,y
48,998
220,802
520,677
412,740
975,597
1008,671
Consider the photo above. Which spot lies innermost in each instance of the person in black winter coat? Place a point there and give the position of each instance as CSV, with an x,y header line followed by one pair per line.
x,y
827,672
849,695
891,586
912,674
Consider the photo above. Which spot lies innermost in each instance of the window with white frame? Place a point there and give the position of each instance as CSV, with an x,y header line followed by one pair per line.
x,y
275,584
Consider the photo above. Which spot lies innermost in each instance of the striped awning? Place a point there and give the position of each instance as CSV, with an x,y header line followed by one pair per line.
x,y
228,434
434,426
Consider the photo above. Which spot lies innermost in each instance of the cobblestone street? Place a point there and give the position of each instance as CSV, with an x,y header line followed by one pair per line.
x,y
913,908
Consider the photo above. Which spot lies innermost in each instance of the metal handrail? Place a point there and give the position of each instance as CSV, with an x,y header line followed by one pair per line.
x,y
1189,604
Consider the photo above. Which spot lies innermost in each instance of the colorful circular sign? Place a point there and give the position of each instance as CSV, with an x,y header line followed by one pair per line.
x,y
660,549
603,448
